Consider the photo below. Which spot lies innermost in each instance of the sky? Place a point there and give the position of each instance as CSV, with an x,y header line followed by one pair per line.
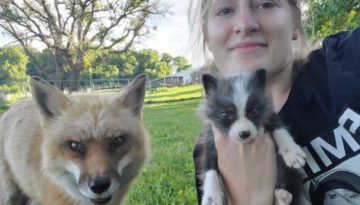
x,y
171,35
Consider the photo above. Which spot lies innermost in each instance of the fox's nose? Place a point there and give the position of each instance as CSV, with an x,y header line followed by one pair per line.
x,y
244,134
99,184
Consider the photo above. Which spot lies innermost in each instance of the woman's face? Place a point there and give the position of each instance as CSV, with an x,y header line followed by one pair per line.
x,y
341,197
250,34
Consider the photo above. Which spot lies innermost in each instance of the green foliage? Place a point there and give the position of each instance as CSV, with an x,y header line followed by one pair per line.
x,y
146,59
181,63
162,69
126,64
327,17
3,106
13,61
167,58
46,59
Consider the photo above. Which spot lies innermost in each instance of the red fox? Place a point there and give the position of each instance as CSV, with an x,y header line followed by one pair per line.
x,y
76,150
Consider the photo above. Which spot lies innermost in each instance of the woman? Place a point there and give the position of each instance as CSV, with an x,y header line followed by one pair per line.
x,y
318,99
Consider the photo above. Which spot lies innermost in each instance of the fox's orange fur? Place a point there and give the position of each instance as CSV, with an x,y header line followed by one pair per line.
x,y
82,149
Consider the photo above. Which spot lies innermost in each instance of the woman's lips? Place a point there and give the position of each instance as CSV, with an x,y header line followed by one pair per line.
x,y
247,47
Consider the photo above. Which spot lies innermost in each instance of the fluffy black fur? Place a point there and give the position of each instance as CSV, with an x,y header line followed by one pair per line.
x,y
219,108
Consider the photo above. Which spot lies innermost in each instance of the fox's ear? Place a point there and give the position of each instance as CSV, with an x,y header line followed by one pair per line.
x,y
209,83
259,78
134,94
48,99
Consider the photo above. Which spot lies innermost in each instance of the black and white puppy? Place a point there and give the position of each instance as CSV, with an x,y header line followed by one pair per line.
x,y
239,107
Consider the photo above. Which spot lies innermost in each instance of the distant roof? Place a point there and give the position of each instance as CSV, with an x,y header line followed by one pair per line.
x,y
182,73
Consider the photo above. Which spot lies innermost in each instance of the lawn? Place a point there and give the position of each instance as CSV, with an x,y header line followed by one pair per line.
x,y
169,176
163,94
170,116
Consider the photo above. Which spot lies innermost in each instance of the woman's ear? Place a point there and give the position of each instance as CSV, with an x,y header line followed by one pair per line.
x,y
206,37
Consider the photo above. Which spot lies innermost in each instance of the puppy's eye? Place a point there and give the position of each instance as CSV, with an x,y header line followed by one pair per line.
x,y
117,142
76,146
224,115
253,112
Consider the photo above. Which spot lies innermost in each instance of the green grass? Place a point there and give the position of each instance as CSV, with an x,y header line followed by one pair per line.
x,y
159,95
169,176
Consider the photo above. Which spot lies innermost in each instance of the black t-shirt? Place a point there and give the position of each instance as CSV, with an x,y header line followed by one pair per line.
x,y
323,114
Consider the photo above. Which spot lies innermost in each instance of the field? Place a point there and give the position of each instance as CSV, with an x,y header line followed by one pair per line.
x,y
168,178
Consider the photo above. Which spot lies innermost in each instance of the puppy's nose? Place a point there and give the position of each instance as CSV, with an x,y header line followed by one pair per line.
x,y
244,134
99,184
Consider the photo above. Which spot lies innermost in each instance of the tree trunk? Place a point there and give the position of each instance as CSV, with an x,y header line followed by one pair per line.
x,y
75,79
59,67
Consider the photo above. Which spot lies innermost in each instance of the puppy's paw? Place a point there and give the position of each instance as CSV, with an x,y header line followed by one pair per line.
x,y
293,156
291,152
211,200
282,197
213,193
212,197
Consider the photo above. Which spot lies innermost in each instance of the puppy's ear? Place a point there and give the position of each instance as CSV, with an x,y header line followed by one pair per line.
x,y
134,94
49,100
209,83
259,78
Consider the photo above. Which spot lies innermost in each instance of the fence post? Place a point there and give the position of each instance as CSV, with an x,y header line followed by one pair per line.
x,y
25,88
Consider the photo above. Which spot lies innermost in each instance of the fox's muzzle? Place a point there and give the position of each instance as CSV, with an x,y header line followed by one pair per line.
x,y
99,184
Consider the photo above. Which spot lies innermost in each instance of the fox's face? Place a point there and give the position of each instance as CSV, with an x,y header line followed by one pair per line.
x,y
237,105
93,146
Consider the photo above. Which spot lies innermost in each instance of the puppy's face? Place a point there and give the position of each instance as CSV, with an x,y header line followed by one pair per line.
x,y
236,105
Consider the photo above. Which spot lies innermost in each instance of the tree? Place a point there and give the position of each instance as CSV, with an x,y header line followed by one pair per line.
x,y
162,69
325,17
71,28
165,57
146,61
125,63
13,61
181,63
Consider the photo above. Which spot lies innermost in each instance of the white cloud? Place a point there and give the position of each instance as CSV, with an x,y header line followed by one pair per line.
x,y
172,33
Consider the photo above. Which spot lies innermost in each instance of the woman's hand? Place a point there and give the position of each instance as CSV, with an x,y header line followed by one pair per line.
x,y
249,169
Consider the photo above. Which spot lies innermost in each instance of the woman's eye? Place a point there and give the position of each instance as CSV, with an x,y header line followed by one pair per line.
x,y
225,12
265,5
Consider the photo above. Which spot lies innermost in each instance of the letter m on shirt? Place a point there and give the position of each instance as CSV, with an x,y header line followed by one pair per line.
x,y
341,135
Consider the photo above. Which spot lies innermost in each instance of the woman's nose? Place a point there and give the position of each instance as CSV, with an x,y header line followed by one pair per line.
x,y
246,21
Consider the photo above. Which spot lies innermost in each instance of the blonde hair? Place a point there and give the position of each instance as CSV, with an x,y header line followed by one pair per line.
x,y
197,18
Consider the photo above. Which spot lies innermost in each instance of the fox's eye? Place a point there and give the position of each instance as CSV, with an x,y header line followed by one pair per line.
x,y
77,146
117,142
